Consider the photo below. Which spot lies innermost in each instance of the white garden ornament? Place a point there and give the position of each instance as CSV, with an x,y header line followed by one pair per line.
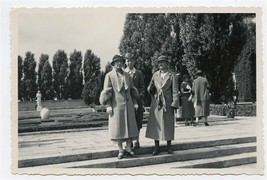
x,y
45,113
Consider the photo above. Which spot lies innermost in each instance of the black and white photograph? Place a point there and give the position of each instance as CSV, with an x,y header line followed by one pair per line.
x,y
137,91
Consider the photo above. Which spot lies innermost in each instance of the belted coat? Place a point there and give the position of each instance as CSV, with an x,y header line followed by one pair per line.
x,y
122,123
165,99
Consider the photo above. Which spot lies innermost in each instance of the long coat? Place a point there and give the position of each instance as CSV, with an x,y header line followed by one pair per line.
x,y
200,90
138,81
188,110
164,99
122,123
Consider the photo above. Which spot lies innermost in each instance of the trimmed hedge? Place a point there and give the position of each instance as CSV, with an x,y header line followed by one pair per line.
x,y
73,120
240,109
52,104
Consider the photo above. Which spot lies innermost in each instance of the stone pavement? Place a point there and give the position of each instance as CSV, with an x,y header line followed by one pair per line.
x,y
68,142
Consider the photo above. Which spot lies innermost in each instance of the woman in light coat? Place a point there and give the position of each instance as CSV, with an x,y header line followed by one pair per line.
x,y
120,107
165,99
200,90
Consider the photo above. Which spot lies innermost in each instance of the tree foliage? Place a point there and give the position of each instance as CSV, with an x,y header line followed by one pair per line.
x,y
43,58
75,78
60,74
47,83
29,78
211,42
92,78
20,80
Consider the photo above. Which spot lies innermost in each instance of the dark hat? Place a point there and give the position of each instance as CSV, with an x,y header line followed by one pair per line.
x,y
163,58
199,73
117,58
128,56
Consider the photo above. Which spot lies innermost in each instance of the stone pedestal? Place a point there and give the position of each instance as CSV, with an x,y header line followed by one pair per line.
x,y
39,108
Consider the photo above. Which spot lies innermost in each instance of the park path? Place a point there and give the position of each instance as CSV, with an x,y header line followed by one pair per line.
x,y
48,144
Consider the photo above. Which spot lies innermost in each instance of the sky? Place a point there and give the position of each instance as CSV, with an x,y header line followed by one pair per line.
x,y
50,30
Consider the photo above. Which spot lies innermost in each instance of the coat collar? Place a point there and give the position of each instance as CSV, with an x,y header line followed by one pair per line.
x,y
128,70
118,84
165,79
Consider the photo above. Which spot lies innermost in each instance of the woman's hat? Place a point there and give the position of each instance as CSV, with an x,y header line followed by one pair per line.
x,y
162,58
128,56
117,58
199,73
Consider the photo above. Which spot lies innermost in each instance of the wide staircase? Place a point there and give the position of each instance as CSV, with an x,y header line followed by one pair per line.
x,y
223,153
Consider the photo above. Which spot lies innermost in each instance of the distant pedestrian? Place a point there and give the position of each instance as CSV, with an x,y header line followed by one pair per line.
x,y
138,81
165,99
200,90
235,95
188,111
120,107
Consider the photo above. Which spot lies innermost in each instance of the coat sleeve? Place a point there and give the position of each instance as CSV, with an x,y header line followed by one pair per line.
x,y
142,85
133,91
108,85
175,93
151,87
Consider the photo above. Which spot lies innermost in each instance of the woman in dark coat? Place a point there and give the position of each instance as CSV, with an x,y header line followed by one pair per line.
x,y
165,99
120,106
188,111
139,84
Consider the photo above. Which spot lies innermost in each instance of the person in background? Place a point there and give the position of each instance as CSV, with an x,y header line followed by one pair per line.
x,y
200,90
188,111
138,81
163,88
117,96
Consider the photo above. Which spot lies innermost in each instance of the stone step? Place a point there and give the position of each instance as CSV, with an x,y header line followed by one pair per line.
x,y
218,162
59,159
177,156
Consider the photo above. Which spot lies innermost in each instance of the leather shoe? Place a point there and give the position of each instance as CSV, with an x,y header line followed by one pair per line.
x,y
130,153
206,124
120,155
136,145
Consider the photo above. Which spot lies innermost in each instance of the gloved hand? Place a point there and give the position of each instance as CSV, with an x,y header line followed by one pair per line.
x,y
109,110
136,106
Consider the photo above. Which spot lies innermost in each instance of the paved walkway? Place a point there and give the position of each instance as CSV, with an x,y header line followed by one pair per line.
x,y
47,144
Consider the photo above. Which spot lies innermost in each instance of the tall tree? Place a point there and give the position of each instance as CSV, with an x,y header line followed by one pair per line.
x,y
75,79
172,46
92,78
91,65
212,43
20,76
60,74
43,58
245,67
46,81
30,86
108,67
143,36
